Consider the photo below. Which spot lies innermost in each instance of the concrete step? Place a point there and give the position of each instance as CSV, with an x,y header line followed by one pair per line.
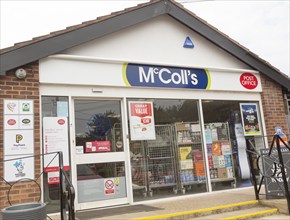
x,y
250,213
206,211
276,217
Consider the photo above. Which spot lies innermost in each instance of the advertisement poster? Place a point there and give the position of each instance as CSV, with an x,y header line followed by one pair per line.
x,y
18,121
274,184
19,167
55,139
98,146
186,162
242,153
279,131
250,119
19,142
53,178
142,125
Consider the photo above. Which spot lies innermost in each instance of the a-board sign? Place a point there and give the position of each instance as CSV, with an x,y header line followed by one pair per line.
x,y
274,184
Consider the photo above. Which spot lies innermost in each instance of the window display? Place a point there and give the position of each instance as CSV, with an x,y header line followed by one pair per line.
x,y
219,152
158,168
189,148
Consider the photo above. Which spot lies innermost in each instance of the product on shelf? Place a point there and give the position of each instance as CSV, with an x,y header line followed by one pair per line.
x,y
216,149
219,151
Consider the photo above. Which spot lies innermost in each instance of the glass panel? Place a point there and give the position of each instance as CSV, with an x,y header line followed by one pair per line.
x,y
226,145
160,167
98,126
53,106
101,181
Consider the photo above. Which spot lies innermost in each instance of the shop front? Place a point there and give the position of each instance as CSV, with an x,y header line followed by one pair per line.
x,y
140,137
134,122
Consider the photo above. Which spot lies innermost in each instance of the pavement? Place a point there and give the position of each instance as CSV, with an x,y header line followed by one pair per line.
x,y
184,203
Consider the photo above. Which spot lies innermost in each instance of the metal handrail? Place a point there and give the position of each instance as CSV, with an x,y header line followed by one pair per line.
x,y
67,191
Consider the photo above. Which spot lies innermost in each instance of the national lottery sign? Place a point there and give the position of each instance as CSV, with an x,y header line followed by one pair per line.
x,y
164,76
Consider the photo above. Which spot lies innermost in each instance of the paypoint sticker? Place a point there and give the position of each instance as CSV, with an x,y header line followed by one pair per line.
x,y
19,138
164,76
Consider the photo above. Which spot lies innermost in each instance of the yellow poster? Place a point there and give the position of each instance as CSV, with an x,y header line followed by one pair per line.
x,y
185,158
185,153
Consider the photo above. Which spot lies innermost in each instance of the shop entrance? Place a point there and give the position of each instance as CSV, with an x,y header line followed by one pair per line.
x,y
99,174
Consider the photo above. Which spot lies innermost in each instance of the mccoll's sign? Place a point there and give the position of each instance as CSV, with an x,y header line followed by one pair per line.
x,y
163,76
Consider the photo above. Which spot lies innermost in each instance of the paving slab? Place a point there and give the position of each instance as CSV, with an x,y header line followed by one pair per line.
x,y
169,205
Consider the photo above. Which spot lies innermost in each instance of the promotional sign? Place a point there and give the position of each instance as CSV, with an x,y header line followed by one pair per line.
x,y
279,132
18,124
250,119
164,76
18,142
18,168
53,178
274,184
142,125
185,158
98,146
242,153
55,139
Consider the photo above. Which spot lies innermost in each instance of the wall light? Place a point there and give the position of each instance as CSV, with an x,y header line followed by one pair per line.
x,y
20,73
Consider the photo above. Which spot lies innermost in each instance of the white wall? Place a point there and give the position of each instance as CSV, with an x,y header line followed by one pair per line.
x,y
159,40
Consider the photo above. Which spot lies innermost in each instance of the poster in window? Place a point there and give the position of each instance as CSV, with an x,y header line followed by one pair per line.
x,y
55,139
250,119
142,125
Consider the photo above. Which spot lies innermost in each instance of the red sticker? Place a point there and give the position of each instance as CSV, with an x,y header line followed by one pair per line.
x,y
145,121
11,122
61,121
248,80
141,109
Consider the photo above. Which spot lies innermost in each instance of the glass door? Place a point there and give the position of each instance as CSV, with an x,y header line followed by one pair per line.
x,y
99,172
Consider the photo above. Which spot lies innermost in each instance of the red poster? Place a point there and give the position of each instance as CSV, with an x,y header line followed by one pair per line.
x,y
98,146
142,125
141,109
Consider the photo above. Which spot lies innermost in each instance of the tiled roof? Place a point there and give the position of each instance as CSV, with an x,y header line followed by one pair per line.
x,y
71,28
57,41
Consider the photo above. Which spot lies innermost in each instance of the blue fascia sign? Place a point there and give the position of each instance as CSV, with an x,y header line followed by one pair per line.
x,y
164,76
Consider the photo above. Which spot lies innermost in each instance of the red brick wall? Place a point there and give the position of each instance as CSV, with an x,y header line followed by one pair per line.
x,y
28,88
273,106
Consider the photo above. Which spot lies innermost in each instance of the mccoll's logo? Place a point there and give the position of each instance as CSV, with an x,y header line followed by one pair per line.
x,y
162,76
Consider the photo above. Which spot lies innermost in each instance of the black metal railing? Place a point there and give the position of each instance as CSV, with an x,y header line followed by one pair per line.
x,y
66,189
67,192
278,172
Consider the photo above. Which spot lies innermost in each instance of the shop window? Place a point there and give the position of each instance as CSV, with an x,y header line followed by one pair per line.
x,y
98,126
226,143
165,165
53,107
101,181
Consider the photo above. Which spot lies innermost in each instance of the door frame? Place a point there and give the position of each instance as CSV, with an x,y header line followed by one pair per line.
x,y
101,157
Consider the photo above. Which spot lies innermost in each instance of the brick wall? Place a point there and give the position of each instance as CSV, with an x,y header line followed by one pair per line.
x,y
273,106
28,88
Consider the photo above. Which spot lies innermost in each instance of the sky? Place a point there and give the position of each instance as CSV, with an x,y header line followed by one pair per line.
x,y
261,26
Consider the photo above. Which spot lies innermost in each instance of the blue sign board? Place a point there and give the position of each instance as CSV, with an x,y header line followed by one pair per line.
x,y
166,77
188,43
